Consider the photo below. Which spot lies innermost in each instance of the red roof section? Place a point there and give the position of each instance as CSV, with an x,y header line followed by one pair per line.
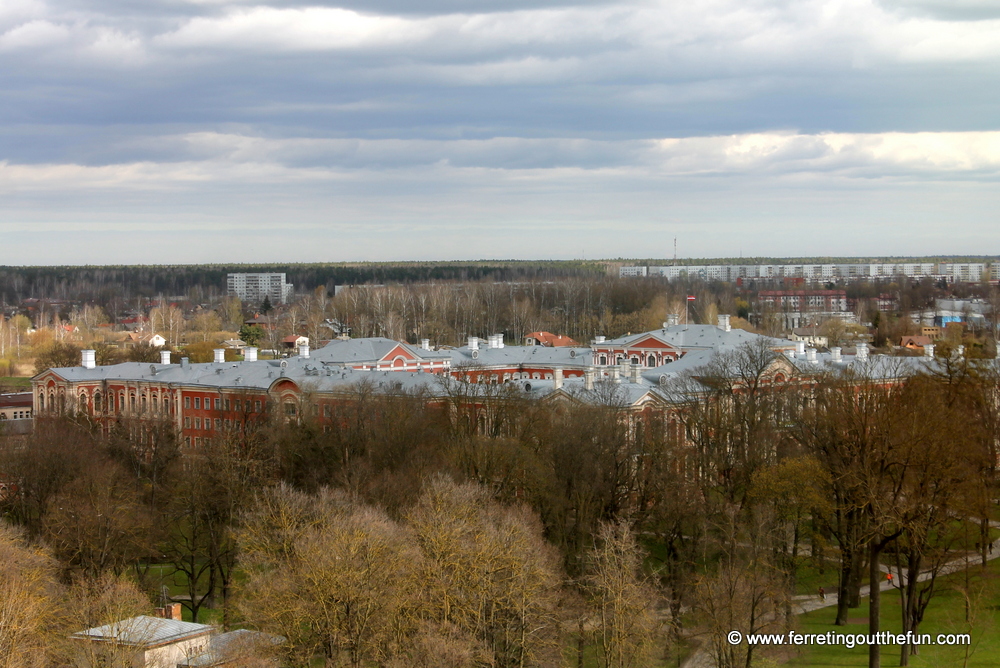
x,y
552,340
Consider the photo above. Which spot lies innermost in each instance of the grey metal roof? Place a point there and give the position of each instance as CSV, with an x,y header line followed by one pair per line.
x,y
510,356
144,631
699,336
334,373
314,371
359,351
229,646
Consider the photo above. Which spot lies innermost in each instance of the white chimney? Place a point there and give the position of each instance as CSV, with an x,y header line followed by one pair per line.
x,y
673,319
615,376
861,351
811,355
588,378
637,374
800,348
960,352
473,343
557,377
88,359
304,350
724,323
929,350
164,357
425,344
249,354
499,340
220,355
835,354
599,339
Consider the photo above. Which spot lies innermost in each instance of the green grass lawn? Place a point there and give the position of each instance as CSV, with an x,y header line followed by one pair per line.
x,y
809,578
946,614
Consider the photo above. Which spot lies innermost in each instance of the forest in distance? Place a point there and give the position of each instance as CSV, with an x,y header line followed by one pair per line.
x,y
130,282
526,534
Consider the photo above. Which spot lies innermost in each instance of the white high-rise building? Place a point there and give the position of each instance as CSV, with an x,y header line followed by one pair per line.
x,y
254,287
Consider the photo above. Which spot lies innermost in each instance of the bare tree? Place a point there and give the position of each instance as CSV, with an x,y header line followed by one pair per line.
x,y
28,596
623,600
747,590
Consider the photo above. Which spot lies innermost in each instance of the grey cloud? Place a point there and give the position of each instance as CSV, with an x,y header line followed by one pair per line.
x,y
947,10
153,112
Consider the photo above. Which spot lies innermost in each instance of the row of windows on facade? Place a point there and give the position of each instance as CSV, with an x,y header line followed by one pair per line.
x,y
495,378
18,415
145,403
635,360
220,404
98,402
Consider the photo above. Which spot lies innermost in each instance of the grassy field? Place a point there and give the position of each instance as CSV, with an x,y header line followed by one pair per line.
x,y
946,614
14,383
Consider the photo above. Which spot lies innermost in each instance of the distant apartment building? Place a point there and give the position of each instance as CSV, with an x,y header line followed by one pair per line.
x,y
631,272
254,287
953,272
962,272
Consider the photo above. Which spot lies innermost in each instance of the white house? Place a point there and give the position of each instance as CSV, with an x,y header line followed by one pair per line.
x,y
146,642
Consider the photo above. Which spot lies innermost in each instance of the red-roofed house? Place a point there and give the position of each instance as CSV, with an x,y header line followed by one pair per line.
x,y
548,339
294,341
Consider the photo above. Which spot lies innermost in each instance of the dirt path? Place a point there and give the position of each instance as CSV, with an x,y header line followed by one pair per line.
x,y
702,658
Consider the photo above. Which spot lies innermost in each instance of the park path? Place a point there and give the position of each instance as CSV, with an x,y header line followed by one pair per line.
x,y
702,657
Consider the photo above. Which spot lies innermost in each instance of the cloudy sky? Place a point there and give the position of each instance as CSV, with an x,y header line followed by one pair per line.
x,y
226,130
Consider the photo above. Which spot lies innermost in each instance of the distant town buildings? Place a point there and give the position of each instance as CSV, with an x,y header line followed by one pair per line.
x,y
953,272
799,308
254,287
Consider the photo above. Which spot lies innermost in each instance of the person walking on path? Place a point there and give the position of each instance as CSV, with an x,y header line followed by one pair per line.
x,y
822,594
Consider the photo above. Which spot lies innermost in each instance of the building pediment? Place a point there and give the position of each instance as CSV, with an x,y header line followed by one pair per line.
x,y
398,352
47,377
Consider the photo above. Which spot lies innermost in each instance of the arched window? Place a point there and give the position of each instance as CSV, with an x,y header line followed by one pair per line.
x,y
131,402
121,402
143,403
634,360
651,360
97,402
602,360
41,401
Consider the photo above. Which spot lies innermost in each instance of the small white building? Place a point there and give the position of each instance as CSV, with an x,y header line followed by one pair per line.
x,y
810,336
146,642
156,341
